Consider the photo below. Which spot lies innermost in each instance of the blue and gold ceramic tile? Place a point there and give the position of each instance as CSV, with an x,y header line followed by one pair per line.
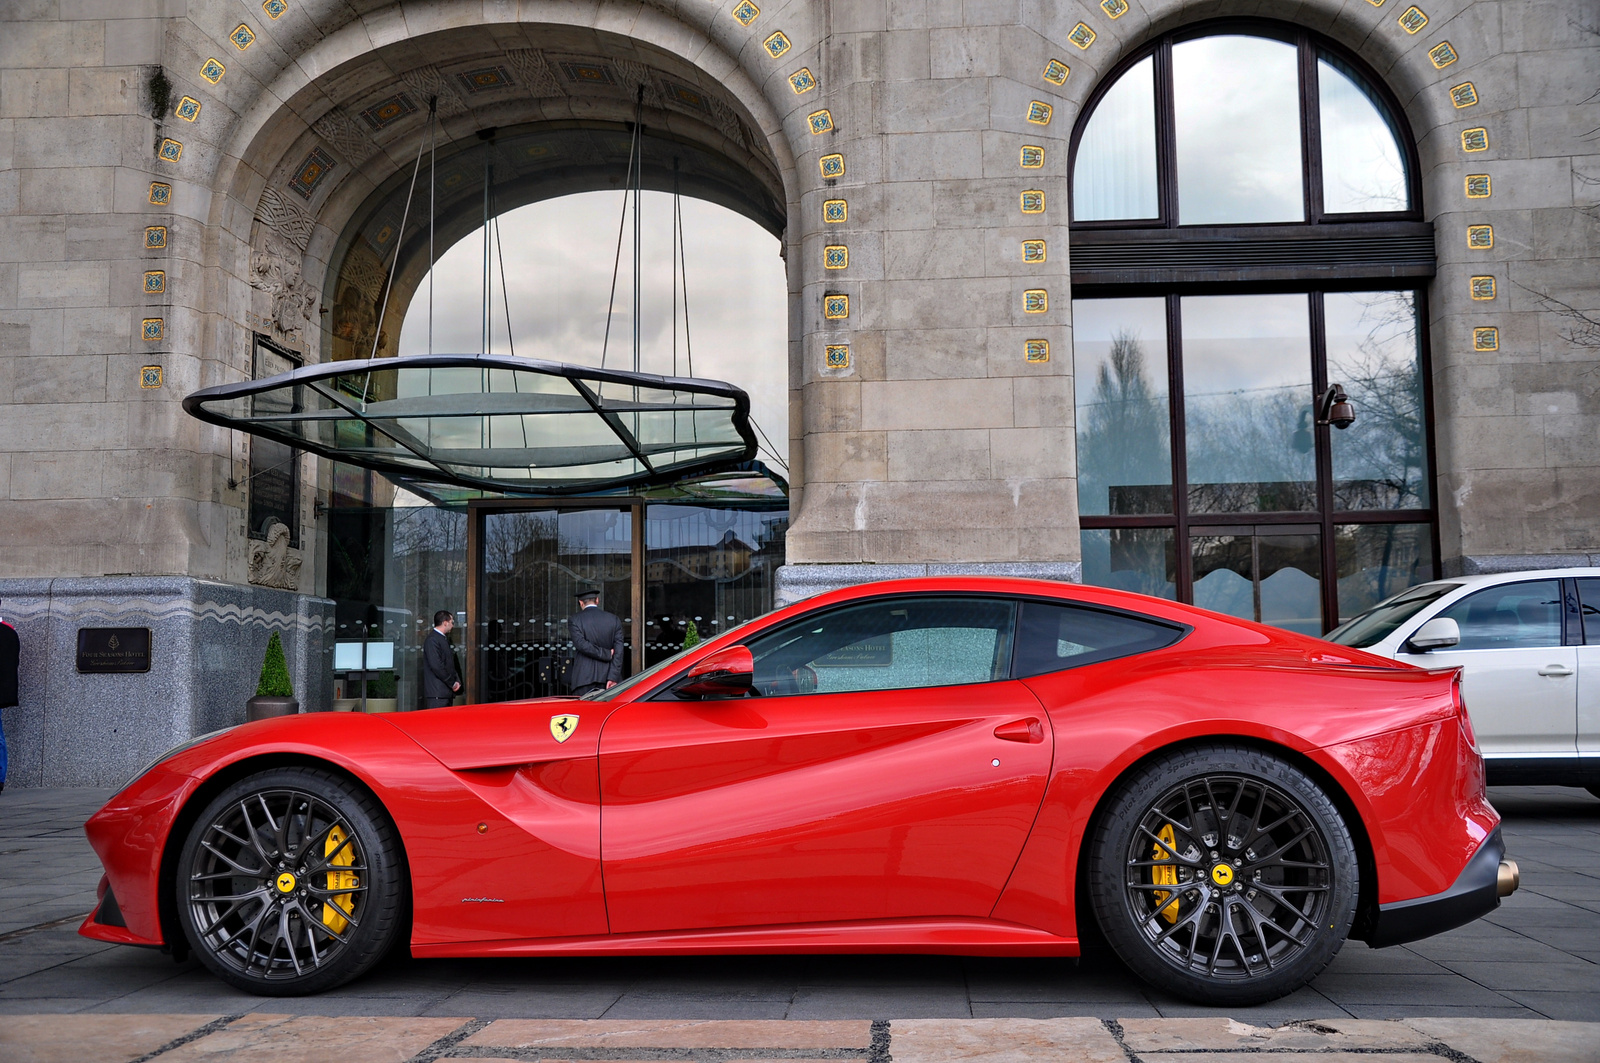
x,y
776,44
242,37
149,377
1055,72
1114,8
745,12
188,109
160,193
835,211
152,329
1482,288
212,70
387,110
485,79
1032,156
274,8
801,81
835,307
819,122
170,150
1375,3
1412,19
838,356
1442,55
1035,301
588,73
1033,201
1081,35
1475,139
311,172
1480,237
1036,350
1486,339
155,282
831,165
1039,112
1033,251
1477,186
155,237
835,256
1464,95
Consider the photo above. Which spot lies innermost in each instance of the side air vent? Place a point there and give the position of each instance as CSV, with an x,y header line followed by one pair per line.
x,y
1180,256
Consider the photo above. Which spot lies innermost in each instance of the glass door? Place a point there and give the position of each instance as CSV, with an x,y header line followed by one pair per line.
x,y
1268,573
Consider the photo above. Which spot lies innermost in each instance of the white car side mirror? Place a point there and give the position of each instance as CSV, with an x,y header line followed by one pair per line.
x,y
1436,634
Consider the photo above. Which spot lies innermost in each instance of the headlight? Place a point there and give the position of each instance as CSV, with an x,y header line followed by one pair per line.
x,y
174,751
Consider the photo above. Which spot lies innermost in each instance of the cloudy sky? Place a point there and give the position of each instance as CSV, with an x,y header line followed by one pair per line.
x,y
558,261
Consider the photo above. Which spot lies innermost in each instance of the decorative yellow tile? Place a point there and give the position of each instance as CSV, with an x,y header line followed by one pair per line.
x,y
835,307
1477,186
274,8
835,211
1442,55
1035,301
1032,156
1033,251
1375,3
242,37
310,173
802,81
170,150
188,109
831,165
1039,112
149,377
1033,201
388,110
160,193
1055,72
152,329
835,256
837,356
212,70
1482,288
819,122
1486,339
776,44
1475,139
1412,19
155,282
1464,95
1081,35
745,12
1114,8
155,238
1036,350
1480,237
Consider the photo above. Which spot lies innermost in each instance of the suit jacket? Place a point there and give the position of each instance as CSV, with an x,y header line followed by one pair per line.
x,y
438,666
597,636
10,651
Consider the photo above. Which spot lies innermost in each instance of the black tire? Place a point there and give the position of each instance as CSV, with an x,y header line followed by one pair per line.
x,y
1263,870
271,897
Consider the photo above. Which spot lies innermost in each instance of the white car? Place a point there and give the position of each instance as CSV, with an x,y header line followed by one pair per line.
x,y
1528,644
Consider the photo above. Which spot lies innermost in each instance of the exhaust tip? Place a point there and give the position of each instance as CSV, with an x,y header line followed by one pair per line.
x,y
1509,878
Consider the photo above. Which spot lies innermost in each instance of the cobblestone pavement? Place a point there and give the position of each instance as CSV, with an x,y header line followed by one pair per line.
x,y
1488,991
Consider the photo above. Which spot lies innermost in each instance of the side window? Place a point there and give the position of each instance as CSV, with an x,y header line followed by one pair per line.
x,y
1589,597
1052,637
889,644
1512,616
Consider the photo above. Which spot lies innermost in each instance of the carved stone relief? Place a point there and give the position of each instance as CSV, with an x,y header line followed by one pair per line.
x,y
272,563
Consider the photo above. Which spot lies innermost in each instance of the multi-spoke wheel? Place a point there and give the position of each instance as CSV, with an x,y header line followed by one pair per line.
x,y
291,882
1224,875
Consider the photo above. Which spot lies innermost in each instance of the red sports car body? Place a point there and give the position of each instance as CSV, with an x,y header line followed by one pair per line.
x,y
739,802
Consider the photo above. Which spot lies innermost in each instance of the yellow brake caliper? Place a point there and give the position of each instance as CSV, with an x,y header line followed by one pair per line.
x,y
333,915
1167,875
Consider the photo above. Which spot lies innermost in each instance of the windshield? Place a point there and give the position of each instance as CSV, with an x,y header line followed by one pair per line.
x,y
1378,623
654,670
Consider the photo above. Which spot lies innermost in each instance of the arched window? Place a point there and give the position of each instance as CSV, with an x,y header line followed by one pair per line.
x,y
1247,234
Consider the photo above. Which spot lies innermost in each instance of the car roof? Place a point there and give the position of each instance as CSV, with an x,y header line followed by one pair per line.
x,y
1481,579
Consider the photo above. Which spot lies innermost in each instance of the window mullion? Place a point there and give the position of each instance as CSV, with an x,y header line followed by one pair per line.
x,y
1183,577
1310,131
1324,462
1166,136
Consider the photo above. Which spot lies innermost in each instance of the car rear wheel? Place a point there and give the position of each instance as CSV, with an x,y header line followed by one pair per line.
x,y
291,882
1224,875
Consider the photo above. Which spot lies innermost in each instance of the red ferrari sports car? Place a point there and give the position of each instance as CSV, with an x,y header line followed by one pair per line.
x,y
954,765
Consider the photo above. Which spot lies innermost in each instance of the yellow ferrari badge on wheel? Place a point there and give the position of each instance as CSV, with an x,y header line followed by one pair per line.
x,y
563,726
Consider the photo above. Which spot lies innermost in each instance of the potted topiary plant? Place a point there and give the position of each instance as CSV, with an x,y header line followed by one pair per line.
x,y
691,636
274,692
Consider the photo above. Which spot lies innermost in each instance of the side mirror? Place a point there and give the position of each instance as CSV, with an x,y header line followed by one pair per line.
x,y
728,673
1436,634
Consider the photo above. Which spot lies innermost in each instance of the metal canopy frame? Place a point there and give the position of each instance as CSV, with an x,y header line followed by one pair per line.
x,y
595,428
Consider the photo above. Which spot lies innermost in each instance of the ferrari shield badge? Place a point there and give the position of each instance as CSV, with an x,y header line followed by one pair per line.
x,y
563,726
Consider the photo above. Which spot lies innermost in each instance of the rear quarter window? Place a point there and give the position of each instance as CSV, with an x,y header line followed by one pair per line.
x,y
1051,637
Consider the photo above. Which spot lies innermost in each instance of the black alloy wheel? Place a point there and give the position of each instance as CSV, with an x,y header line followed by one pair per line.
x,y
291,882
1236,884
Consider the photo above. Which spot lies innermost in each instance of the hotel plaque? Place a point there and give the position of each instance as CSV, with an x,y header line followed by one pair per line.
x,y
103,650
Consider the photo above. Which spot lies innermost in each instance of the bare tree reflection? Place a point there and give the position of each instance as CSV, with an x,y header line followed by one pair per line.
x,y
1124,463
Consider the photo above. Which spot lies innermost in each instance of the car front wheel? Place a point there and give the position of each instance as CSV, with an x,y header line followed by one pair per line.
x,y
1223,874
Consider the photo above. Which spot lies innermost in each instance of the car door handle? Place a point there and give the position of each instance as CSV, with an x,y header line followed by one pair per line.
x,y
1555,669
1029,730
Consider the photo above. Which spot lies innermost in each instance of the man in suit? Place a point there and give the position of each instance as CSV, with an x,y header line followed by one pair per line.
x,y
10,651
597,637
440,683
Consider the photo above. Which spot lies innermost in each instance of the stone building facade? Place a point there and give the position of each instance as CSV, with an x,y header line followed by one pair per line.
x,y
180,177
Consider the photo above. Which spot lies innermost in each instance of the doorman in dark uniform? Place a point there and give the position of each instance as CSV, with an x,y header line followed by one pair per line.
x,y
440,681
10,652
597,639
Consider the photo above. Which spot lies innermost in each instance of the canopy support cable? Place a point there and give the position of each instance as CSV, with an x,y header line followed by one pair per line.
x,y
394,264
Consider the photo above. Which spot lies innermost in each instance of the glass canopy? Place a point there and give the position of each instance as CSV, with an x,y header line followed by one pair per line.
x,y
494,422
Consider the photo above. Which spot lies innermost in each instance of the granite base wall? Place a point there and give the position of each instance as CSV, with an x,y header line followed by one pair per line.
x,y
798,582
207,642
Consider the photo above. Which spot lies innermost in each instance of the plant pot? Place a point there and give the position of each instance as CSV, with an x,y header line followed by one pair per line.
x,y
346,704
265,706
382,704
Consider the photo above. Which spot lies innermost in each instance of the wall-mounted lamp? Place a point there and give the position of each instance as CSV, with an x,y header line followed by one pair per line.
x,y
1334,407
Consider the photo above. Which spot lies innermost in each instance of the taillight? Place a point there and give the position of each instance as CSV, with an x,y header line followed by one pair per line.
x,y
1461,711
